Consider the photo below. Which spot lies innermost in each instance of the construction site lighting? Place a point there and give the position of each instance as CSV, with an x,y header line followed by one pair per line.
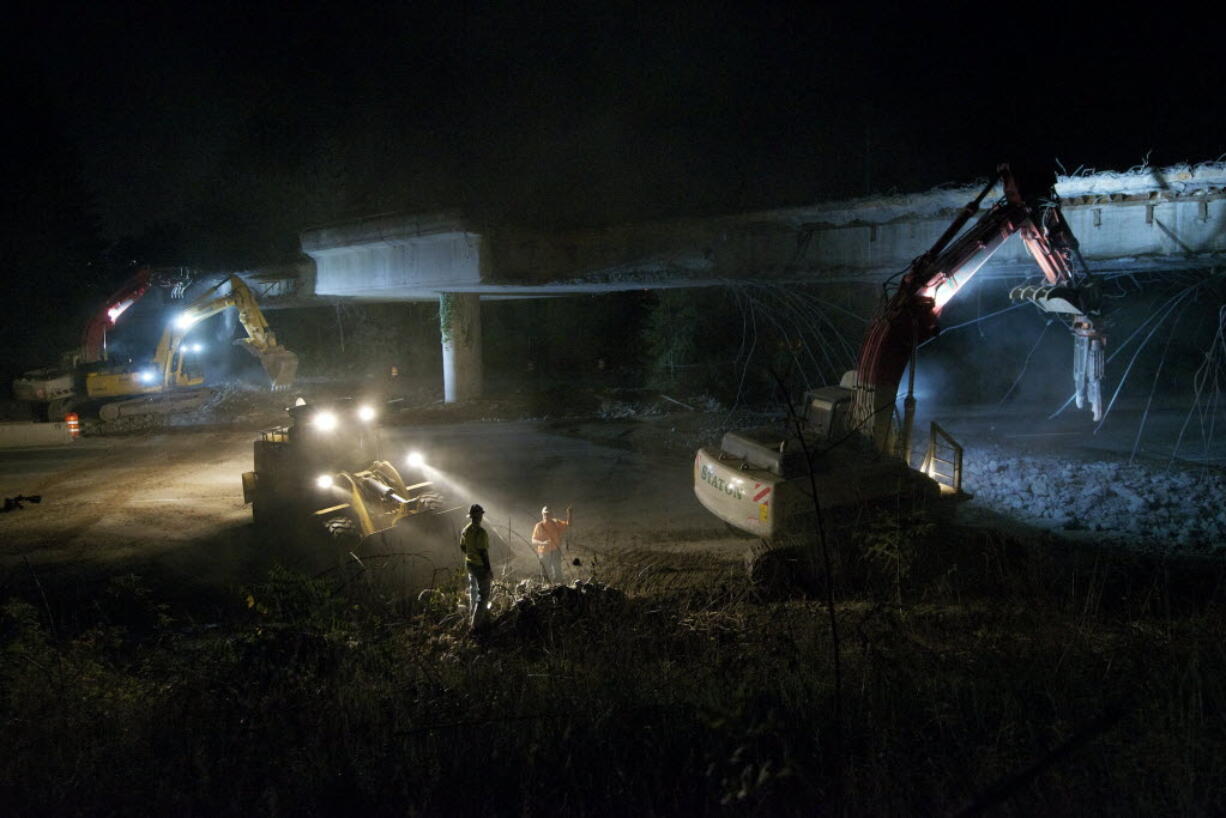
x,y
416,461
117,310
147,376
366,413
324,481
184,320
324,421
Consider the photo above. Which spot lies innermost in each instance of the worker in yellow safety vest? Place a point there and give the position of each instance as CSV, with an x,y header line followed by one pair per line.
x,y
547,536
475,543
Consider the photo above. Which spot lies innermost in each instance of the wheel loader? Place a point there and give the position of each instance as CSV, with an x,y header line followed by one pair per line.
x,y
323,481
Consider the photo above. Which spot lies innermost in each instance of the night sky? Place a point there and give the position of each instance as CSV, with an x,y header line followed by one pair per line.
x,y
211,135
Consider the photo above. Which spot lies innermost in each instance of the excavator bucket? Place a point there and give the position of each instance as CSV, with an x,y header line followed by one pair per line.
x,y
281,366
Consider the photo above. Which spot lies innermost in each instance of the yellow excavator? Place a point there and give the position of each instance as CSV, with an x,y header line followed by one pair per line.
x,y
172,382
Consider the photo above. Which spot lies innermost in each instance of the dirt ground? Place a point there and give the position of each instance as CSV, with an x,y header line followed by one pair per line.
x,y
168,501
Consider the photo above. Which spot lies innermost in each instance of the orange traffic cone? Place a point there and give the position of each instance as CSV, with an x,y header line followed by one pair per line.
x,y
74,424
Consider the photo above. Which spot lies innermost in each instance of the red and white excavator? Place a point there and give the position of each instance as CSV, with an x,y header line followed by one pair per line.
x,y
54,389
849,445
93,338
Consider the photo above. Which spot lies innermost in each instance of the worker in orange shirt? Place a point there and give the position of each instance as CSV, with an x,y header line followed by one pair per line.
x,y
547,536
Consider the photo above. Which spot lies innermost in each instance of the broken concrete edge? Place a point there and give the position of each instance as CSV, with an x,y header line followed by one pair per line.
x,y
1182,179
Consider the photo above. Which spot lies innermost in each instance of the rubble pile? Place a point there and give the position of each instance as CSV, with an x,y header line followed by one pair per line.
x,y
236,404
613,409
536,611
617,404
1145,505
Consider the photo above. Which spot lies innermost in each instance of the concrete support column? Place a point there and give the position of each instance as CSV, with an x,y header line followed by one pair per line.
x,y
459,321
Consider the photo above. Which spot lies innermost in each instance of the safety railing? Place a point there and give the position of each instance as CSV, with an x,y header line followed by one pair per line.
x,y
943,461
280,435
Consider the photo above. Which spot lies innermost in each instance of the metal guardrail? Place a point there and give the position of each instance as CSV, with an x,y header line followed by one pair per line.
x,y
943,461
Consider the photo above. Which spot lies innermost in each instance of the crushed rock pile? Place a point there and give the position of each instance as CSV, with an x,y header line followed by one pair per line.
x,y
537,610
625,405
237,404
1147,505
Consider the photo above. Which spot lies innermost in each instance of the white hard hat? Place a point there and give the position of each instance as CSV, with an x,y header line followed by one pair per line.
x,y
544,510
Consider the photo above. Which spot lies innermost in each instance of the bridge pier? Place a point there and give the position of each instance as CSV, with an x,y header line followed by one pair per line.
x,y
460,326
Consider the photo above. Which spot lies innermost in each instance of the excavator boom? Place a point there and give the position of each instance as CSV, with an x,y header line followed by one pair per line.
x,y
934,278
279,363
93,338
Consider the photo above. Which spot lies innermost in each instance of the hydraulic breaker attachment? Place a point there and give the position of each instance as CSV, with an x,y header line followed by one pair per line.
x,y
1088,342
1088,365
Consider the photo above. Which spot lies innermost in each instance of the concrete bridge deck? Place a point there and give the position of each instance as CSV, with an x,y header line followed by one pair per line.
x,y
1142,220
1150,219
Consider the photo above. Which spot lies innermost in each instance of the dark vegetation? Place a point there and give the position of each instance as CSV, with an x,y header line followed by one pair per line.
x,y
978,671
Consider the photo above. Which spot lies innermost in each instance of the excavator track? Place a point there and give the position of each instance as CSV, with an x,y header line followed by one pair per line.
x,y
163,405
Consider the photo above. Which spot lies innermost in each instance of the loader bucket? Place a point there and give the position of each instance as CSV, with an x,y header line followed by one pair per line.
x,y
281,366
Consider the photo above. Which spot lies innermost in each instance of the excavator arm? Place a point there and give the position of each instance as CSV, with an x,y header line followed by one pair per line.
x,y
93,339
280,364
911,314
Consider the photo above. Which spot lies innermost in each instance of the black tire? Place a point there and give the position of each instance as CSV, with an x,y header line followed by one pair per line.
x,y
343,539
342,531
430,501
266,512
260,511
